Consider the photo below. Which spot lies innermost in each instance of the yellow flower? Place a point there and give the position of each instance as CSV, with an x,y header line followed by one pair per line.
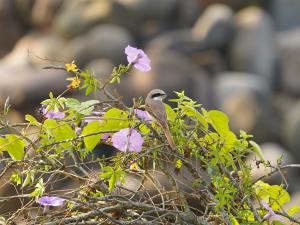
x,y
71,67
75,82
134,167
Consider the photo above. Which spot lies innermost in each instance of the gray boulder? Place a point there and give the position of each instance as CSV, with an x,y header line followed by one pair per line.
x,y
103,41
215,25
285,13
291,129
213,29
154,9
246,100
27,86
288,43
77,17
11,28
39,49
44,11
253,46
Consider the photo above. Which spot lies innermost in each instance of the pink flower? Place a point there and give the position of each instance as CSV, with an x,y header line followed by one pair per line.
x,y
105,136
138,58
271,214
51,114
128,140
50,201
142,115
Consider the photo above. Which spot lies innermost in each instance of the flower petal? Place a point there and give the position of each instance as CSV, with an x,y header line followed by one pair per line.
x,y
138,58
142,115
50,201
128,140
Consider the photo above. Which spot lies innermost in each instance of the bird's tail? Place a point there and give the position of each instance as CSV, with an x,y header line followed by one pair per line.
x,y
169,137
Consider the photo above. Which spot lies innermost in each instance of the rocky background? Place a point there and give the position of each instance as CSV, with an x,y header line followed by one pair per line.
x,y
242,57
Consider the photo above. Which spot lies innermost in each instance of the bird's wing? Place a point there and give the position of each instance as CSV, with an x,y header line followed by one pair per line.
x,y
157,110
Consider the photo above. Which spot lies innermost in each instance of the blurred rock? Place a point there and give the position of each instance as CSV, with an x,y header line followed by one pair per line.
x,y
212,30
101,67
43,12
246,100
289,51
23,9
15,116
10,27
181,40
103,41
170,71
21,80
215,25
291,129
77,17
285,13
281,103
154,9
253,47
211,61
273,152
26,85
38,48
187,12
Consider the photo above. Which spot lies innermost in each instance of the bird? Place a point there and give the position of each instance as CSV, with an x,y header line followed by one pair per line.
x,y
156,110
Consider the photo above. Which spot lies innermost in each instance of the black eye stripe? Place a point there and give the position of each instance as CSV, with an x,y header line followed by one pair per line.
x,y
157,95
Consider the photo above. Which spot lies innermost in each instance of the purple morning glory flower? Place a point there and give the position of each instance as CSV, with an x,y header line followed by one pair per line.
x,y
51,201
51,114
105,136
271,213
138,58
128,140
142,115
54,115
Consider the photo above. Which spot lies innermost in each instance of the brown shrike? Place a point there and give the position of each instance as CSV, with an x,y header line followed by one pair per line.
x,y
156,110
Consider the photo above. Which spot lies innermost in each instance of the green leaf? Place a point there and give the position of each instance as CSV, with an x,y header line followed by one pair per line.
x,y
113,175
14,146
144,129
170,113
233,220
112,182
294,209
107,172
60,131
15,177
115,119
274,195
39,189
32,120
220,123
29,177
84,108
3,144
256,148
91,141
192,112
72,103
88,90
87,107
